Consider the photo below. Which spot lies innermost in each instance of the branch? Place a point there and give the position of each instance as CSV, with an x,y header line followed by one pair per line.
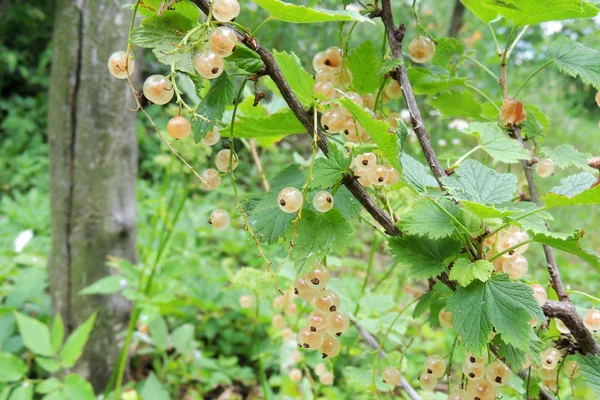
x,y
457,19
306,119
372,342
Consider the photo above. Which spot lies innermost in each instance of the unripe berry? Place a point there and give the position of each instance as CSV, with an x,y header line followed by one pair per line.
x,y
539,293
427,382
545,167
211,137
421,50
278,321
391,376
158,89
290,200
378,176
591,319
571,368
119,66
295,375
219,219
458,394
319,276
246,301
393,90
327,301
338,323
323,201
482,390
324,88
445,318
368,100
304,289
562,328
226,10
179,128
317,322
222,160
210,179
310,340
327,379
550,358
223,41
355,97
333,121
512,112
516,267
473,371
365,161
498,373
320,369
209,65
435,366
331,347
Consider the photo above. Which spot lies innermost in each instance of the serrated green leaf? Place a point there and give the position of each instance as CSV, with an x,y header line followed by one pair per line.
x,y
302,15
537,123
569,244
416,174
245,59
589,366
497,144
271,223
182,338
73,347
446,50
424,257
77,388
35,335
279,124
514,357
426,219
572,185
427,301
300,81
365,65
576,59
454,104
58,332
389,65
107,285
346,203
185,8
566,155
465,272
213,105
12,368
426,81
475,182
48,385
328,171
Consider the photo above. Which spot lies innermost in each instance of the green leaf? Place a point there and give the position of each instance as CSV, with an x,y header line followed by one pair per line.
x,y
48,385
328,171
23,392
35,335
426,219
569,244
300,81
344,201
424,257
278,124
73,347
566,155
590,369
184,8
497,144
152,389
12,368
159,332
58,333
365,65
389,65
48,364
317,235
182,338
589,196
77,388
416,174
446,50
537,123
301,15
454,104
465,272
271,223
515,358
107,285
213,105
432,81
389,143
245,59
474,181
575,59
160,35
574,184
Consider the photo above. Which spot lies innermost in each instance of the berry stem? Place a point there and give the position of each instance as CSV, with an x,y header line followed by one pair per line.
x,y
594,299
465,156
260,26
483,67
516,246
537,71
485,96
374,244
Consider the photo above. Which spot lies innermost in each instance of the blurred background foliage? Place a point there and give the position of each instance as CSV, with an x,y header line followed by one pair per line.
x,y
201,343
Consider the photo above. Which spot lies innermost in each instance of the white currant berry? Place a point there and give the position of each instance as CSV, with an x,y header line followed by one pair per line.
x,y
212,137
319,62
378,176
545,167
327,379
516,267
324,88
435,366
363,176
290,200
222,160
158,89
365,161
458,394
338,323
474,372
296,357
391,376
327,301
571,368
319,276
323,201
179,127
498,373
310,340
509,240
427,382
471,359
355,97
393,176
333,121
591,319
287,334
304,289
225,10
393,120
246,301
211,179
368,100
209,65
330,347
326,75
291,309
546,374
539,293
344,77
393,90
320,369
329,58
421,50
562,328
482,390
550,358
278,321
351,131
280,302
219,219
317,322
445,318
223,41
120,66
295,375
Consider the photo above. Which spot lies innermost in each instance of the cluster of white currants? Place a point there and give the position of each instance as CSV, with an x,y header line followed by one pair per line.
x,y
548,370
325,377
290,200
369,173
508,243
483,381
326,323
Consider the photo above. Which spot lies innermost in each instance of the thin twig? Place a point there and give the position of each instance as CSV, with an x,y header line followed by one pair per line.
x,y
259,168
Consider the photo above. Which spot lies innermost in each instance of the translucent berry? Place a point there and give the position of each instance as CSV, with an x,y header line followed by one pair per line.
x,y
338,323
550,358
317,322
211,179
320,369
368,101
445,318
365,161
287,334
290,200
319,276
223,41
219,219
509,240
363,176
222,160
291,309
246,301
319,62
539,293
330,58
296,356
295,375
473,371
458,394
326,379
226,10
327,301
119,66
393,120
351,131
421,50
326,75
355,97
471,359
212,137
331,347
378,176
391,376
545,167
324,88
427,382
482,390
179,127
209,65
498,373
278,321
393,90
393,176
512,112
344,78
323,201
571,368
591,319
435,366
333,121
158,89
516,267
304,289
562,328
310,340
546,374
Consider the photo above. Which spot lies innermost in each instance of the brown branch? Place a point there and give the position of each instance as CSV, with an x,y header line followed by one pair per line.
x,y
566,312
457,19
259,168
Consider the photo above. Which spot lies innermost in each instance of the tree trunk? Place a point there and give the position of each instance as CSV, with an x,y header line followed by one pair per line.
x,y
93,165
457,19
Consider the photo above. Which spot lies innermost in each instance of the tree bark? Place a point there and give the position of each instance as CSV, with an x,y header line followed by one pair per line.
x,y
93,165
457,19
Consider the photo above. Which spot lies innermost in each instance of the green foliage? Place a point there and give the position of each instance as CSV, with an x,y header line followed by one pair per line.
x,y
465,272
365,65
213,105
590,369
497,144
455,104
300,14
424,257
245,59
572,192
565,156
576,59
11,368
275,125
416,174
299,80
474,181
328,171
427,219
